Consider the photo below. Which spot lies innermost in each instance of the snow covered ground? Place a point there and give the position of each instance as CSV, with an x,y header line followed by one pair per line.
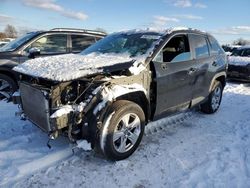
x,y
188,150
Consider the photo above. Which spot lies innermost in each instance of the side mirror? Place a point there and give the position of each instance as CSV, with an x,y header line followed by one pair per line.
x,y
33,52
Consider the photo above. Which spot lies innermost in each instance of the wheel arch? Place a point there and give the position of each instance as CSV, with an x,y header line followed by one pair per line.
x,y
9,74
139,98
221,77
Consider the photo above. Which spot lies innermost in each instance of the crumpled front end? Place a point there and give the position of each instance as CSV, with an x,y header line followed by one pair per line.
x,y
56,108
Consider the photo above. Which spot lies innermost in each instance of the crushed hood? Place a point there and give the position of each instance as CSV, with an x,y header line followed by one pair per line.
x,y
72,66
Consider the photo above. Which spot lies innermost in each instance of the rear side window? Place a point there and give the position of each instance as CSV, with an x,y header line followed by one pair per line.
x,y
200,46
80,42
176,50
214,46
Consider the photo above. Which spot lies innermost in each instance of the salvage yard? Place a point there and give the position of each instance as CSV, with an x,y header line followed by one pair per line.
x,y
187,150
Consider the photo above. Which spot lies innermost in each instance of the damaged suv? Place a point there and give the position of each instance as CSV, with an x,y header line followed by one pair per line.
x,y
109,92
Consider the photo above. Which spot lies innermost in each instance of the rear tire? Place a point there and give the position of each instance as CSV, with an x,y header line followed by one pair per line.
x,y
122,130
7,87
214,99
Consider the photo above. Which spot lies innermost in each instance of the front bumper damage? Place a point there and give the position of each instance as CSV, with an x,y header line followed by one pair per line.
x,y
81,119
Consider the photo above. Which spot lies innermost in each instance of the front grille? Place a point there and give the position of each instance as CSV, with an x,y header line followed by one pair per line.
x,y
35,106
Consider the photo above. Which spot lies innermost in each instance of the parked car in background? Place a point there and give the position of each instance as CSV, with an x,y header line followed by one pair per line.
x,y
230,48
112,89
239,64
5,41
40,44
2,43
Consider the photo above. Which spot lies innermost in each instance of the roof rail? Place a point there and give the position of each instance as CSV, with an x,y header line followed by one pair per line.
x,y
79,30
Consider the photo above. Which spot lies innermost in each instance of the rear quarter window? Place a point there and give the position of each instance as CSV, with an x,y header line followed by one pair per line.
x,y
199,45
214,46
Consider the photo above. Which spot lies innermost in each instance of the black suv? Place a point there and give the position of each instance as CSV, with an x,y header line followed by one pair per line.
x,y
39,44
118,85
239,64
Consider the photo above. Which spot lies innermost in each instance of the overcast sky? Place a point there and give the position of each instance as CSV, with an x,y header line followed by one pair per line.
x,y
226,19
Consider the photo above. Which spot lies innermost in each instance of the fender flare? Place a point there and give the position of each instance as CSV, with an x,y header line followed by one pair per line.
x,y
216,76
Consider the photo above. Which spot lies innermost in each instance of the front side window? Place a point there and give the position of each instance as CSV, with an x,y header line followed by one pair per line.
x,y
200,46
80,42
50,44
176,50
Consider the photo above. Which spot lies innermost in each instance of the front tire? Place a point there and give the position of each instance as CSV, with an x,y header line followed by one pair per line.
x,y
123,130
214,99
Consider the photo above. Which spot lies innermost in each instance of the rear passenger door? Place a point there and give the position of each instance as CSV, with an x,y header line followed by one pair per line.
x,y
202,62
81,42
174,66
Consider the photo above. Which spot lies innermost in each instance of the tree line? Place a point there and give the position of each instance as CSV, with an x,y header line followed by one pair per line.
x,y
9,32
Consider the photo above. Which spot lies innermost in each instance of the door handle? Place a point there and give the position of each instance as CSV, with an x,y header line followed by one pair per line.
x,y
215,64
163,66
192,71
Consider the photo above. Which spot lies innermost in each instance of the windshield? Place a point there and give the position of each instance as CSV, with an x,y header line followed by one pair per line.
x,y
134,44
18,42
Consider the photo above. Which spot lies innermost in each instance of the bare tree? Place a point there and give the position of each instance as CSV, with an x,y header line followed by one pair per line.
x,y
10,31
2,35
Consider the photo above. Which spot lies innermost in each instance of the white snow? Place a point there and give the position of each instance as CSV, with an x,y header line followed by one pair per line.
x,y
70,66
114,91
62,111
238,60
188,150
66,109
83,144
16,94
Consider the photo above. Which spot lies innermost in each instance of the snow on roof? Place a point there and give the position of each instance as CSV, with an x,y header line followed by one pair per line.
x,y
70,66
238,60
158,30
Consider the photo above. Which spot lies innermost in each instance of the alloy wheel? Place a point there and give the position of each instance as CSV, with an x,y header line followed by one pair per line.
x,y
216,98
127,132
5,89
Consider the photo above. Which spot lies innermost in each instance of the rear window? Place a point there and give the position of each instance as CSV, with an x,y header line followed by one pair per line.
x,y
214,45
200,46
81,42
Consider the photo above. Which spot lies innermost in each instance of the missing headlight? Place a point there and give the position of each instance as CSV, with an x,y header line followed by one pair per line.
x,y
69,94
